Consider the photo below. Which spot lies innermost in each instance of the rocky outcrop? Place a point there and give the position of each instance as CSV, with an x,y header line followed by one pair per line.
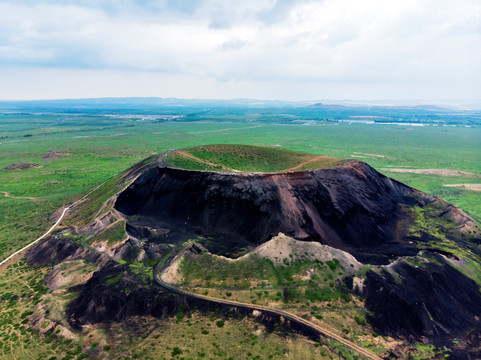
x,y
112,294
422,296
57,249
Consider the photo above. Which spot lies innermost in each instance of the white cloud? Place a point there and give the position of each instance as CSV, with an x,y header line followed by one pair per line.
x,y
429,43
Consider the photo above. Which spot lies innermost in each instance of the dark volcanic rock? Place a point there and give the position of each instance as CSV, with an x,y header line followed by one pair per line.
x,y
54,250
113,295
430,299
348,207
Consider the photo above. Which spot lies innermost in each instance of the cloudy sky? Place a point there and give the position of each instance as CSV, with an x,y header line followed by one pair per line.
x,y
267,49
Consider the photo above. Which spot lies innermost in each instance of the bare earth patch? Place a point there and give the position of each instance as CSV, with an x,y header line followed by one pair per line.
x,y
53,154
441,172
282,247
21,166
473,187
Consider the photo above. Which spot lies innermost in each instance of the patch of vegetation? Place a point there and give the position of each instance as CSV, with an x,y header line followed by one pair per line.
x,y
213,271
427,221
246,158
113,234
113,279
22,293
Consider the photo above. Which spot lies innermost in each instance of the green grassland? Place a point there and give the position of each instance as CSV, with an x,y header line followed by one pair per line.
x,y
308,288
246,158
253,272
22,292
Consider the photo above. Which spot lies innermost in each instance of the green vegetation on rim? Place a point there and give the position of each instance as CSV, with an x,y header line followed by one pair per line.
x,y
247,158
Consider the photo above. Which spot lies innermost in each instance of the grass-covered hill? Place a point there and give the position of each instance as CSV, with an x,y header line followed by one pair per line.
x,y
246,158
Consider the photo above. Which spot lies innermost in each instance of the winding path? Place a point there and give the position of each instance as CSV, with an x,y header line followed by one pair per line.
x,y
282,313
40,238
7,194
205,162
53,226
303,163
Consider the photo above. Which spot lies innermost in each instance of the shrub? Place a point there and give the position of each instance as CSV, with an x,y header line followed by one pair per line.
x,y
26,313
358,320
220,323
176,351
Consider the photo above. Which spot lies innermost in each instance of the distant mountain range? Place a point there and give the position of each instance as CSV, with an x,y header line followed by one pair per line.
x,y
379,107
435,106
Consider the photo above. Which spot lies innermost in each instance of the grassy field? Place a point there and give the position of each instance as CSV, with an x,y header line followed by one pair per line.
x,y
22,293
246,158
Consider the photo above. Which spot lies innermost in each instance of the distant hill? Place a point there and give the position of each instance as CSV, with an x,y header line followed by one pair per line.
x,y
379,107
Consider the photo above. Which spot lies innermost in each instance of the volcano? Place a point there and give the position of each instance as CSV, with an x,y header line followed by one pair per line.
x,y
418,255
347,205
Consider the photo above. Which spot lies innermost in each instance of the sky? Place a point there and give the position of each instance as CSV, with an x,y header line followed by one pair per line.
x,y
264,49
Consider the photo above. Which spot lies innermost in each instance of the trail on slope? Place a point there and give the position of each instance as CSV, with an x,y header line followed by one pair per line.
x,y
205,162
7,194
302,164
38,239
53,226
440,172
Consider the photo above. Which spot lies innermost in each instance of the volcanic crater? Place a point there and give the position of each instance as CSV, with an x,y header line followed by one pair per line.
x,y
345,204
418,254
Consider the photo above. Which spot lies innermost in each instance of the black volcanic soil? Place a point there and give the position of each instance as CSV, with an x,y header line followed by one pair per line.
x,y
352,207
113,294
21,166
431,298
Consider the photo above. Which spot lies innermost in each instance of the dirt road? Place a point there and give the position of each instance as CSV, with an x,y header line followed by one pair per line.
x,y
285,314
40,238
64,211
